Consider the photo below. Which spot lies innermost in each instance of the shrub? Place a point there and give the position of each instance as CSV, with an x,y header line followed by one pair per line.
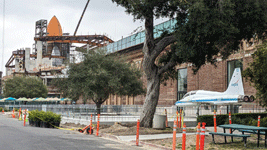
x,y
49,116
57,118
1,109
263,122
5,109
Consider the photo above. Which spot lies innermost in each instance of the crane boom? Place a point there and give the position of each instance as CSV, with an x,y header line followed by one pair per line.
x,y
81,18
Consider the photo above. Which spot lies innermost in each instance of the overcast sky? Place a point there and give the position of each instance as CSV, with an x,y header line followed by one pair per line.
x,y
101,17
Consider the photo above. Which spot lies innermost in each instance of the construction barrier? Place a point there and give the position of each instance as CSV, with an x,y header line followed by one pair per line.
x,y
230,121
174,135
13,113
97,129
180,118
202,136
137,132
184,137
91,124
166,118
177,118
215,124
20,114
259,120
197,137
25,114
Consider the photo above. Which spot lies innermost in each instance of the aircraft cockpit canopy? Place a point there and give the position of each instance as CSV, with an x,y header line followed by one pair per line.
x,y
190,93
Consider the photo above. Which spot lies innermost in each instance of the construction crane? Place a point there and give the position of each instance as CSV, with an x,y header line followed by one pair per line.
x,y
81,18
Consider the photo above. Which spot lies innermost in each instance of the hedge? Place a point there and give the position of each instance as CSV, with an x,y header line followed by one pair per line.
x,y
49,116
239,118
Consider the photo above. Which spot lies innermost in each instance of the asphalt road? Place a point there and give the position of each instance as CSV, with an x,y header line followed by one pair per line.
x,y
14,136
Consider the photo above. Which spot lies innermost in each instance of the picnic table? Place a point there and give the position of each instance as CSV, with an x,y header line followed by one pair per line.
x,y
257,130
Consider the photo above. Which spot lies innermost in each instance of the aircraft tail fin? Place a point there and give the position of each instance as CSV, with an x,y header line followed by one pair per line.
x,y
235,86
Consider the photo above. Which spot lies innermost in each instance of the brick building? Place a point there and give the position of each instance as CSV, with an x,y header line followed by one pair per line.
x,y
208,77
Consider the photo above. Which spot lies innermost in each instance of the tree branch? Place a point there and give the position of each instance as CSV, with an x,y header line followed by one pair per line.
x,y
149,40
161,45
169,65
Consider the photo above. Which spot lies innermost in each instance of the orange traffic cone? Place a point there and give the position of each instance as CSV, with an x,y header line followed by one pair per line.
x,y
13,113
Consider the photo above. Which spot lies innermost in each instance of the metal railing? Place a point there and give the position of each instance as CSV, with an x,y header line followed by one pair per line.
x,y
83,111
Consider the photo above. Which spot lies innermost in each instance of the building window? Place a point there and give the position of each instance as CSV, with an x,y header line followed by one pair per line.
x,y
231,65
181,83
49,82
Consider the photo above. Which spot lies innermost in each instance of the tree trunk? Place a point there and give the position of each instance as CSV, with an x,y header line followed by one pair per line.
x,y
151,101
98,106
151,51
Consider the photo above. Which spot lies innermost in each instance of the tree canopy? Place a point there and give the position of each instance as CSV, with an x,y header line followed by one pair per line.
x,y
256,73
205,30
21,86
98,76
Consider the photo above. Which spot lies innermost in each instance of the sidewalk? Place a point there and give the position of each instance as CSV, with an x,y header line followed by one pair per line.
x,y
150,136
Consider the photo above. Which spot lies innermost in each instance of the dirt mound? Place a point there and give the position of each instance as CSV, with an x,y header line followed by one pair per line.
x,y
119,129
116,128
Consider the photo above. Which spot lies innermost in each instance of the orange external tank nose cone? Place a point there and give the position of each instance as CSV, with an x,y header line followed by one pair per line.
x,y
54,27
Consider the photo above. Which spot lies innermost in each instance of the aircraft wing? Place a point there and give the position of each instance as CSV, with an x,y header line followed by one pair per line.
x,y
181,104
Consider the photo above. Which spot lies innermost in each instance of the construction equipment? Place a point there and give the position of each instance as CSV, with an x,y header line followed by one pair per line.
x,y
81,18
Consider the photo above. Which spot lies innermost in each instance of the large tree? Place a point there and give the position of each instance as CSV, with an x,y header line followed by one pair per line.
x,y
204,29
21,86
98,76
256,73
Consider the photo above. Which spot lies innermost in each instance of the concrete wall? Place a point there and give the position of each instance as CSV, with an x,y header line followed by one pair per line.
x,y
29,64
39,47
16,65
46,62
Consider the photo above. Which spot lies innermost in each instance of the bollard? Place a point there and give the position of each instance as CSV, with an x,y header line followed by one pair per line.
x,y
166,118
215,124
3,111
230,121
202,136
20,114
259,120
137,132
174,136
180,118
91,124
184,137
13,113
24,118
198,134
97,129
177,118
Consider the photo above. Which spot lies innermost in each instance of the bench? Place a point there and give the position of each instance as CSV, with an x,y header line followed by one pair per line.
x,y
251,131
244,136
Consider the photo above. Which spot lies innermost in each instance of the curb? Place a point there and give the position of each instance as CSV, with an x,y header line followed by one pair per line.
x,y
153,145
114,137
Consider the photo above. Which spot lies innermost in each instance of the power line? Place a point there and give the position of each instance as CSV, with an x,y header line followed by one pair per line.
x,y
3,50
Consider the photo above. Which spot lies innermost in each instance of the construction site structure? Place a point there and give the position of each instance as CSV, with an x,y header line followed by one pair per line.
x,y
51,52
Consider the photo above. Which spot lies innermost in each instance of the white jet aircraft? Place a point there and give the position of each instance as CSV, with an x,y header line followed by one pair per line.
x,y
233,95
